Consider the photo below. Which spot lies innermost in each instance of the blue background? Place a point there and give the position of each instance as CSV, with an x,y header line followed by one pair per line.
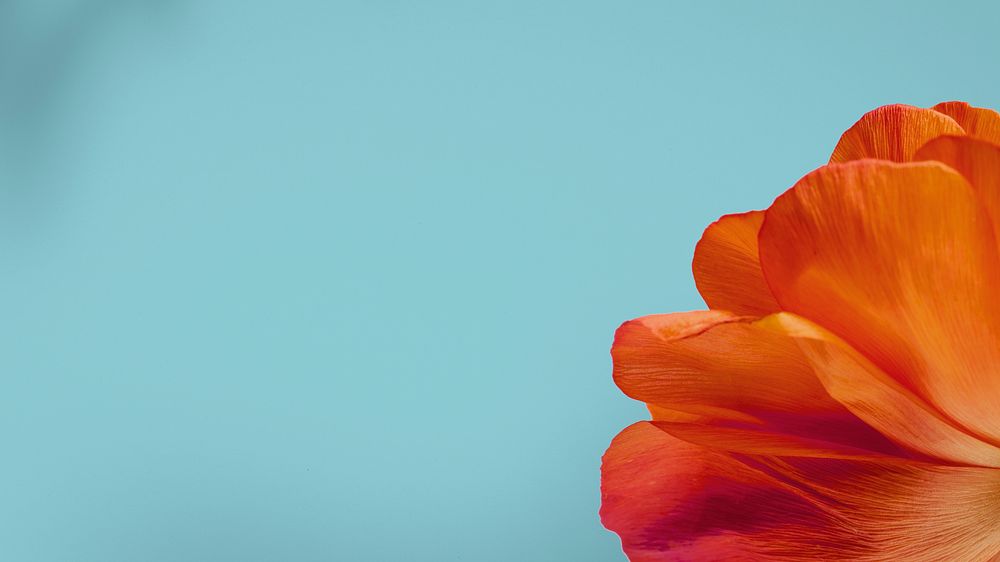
x,y
314,280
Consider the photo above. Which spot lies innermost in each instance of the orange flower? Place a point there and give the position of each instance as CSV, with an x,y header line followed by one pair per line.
x,y
840,400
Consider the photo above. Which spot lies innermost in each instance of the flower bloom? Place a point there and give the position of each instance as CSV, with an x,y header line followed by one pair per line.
x,y
840,399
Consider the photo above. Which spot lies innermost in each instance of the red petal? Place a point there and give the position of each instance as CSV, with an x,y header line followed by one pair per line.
x,y
672,501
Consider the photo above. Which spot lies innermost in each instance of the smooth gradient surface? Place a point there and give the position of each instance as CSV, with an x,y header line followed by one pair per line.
x,y
318,281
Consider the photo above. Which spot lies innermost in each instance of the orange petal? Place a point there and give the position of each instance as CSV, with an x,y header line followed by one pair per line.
x,y
893,132
666,414
673,501
879,400
727,269
903,511
978,122
899,261
978,161
725,368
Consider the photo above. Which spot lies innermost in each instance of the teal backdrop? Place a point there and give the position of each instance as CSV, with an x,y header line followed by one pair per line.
x,y
329,280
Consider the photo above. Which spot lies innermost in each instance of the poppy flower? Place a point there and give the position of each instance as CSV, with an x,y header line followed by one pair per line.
x,y
840,399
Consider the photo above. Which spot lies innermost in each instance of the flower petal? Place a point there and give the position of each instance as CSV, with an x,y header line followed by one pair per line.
x,y
893,132
734,438
879,400
727,269
978,122
904,511
979,163
726,370
898,260
673,501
